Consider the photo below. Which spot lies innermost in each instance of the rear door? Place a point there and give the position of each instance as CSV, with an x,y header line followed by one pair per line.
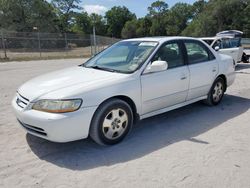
x,y
203,68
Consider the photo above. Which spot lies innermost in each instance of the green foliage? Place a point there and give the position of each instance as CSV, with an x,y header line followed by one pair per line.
x,y
203,18
178,17
158,13
158,8
129,30
65,11
82,23
220,15
116,19
198,7
144,25
99,23
23,15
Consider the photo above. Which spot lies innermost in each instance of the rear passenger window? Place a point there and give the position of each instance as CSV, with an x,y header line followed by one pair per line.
x,y
196,52
171,53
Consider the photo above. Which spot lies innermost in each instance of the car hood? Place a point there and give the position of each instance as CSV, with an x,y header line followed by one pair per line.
x,y
73,76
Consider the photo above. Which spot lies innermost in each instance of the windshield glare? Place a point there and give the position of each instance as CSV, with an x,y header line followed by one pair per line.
x,y
123,57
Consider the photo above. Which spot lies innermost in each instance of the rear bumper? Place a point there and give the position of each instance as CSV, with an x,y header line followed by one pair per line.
x,y
55,127
230,78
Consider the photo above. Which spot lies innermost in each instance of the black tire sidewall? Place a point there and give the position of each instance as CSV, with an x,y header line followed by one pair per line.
x,y
106,108
212,89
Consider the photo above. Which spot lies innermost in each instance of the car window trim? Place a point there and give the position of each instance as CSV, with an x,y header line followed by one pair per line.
x,y
206,49
179,43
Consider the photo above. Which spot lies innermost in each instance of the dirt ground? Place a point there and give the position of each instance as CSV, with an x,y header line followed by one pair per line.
x,y
195,146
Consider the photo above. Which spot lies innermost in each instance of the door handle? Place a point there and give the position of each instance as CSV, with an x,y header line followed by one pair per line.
x,y
183,78
214,69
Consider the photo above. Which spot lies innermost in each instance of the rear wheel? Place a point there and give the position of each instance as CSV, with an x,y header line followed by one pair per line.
x,y
111,122
216,92
245,58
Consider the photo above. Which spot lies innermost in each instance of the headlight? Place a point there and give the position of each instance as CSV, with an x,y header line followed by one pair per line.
x,y
57,106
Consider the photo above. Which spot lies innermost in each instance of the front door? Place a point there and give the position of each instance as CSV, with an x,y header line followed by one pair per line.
x,y
169,87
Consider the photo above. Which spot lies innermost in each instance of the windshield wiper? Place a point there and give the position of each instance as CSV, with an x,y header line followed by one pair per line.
x,y
102,68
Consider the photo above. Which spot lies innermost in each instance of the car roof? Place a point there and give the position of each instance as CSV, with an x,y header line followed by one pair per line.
x,y
217,37
208,38
160,39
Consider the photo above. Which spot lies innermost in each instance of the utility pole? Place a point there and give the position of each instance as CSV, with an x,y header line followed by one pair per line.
x,y
3,44
39,43
39,40
66,43
94,38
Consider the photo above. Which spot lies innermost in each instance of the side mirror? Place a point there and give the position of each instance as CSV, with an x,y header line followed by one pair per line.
x,y
156,66
217,48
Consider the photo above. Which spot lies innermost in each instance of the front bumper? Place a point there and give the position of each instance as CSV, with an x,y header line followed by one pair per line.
x,y
64,127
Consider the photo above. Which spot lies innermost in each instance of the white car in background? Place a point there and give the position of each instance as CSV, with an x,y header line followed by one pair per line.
x,y
228,43
131,80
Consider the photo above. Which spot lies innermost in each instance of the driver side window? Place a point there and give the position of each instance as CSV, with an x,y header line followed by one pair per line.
x,y
171,53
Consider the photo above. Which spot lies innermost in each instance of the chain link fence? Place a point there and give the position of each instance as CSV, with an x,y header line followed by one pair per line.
x,y
246,43
35,45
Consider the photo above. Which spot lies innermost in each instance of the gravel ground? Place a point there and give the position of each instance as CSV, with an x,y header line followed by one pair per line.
x,y
195,146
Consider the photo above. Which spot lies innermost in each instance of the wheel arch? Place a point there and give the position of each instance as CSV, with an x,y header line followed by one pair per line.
x,y
126,99
224,79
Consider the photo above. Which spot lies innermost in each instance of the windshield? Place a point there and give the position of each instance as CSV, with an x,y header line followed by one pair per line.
x,y
124,57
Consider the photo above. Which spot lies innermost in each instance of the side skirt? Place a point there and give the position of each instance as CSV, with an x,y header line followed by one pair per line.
x,y
171,107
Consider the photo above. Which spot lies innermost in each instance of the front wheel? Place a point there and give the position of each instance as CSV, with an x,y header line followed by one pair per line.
x,y
216,92
111,122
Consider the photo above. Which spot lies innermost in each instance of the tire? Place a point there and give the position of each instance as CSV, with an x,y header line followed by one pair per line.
x,y
111,122
245,58
216,92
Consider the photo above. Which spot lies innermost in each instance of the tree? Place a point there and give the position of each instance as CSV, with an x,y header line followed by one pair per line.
x,y
246,20
82,23
137,28
116,19
178,17
158,12
198,7
158,8
129,30
220,15
144,25
23,15
99,23
65,9
43,17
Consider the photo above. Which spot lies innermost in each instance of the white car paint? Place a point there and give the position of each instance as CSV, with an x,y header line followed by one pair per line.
x,y
236,52
152,93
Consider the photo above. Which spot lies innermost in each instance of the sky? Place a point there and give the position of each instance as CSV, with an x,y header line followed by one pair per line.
x,y
139,7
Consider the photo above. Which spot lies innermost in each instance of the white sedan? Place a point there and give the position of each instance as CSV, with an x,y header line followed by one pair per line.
x,y
131,80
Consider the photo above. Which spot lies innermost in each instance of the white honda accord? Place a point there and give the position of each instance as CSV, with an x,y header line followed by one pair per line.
x,y
131,80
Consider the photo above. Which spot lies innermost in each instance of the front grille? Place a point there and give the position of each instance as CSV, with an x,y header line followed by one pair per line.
x,y
33,129
21,101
